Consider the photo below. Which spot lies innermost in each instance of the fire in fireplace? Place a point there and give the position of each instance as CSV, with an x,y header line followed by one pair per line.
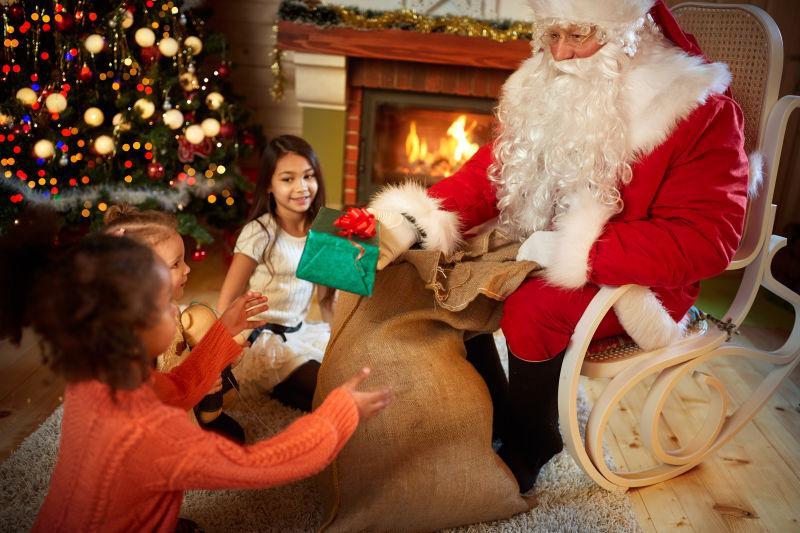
x,y
422,136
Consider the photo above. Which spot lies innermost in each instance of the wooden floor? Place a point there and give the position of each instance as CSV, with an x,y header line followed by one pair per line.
x,y
751,484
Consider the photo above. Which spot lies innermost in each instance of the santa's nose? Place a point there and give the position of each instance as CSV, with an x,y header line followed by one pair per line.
x,y
561,50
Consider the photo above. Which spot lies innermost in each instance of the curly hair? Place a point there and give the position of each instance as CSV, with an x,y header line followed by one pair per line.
x,y
87,303
149,227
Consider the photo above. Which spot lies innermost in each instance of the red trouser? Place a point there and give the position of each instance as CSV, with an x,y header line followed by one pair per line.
x,y
539,318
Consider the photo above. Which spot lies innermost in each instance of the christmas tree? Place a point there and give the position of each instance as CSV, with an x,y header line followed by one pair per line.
x,y
112,102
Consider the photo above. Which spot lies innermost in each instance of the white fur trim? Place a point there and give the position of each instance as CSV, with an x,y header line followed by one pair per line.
x,y
604,12
663,86
576,232
441,227
756,175
644,318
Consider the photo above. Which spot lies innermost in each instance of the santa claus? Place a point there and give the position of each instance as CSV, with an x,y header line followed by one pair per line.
x,y
618,160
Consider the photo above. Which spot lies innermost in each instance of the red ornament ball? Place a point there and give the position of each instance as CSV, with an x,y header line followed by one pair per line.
x,y
227,130
199,254
16,12
85,73
224,70
64,22
150,55
155,171
248,139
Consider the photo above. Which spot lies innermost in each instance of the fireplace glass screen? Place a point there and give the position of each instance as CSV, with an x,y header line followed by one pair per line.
x,y
423,137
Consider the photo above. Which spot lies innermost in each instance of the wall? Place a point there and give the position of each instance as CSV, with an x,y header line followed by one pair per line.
x,y
248,23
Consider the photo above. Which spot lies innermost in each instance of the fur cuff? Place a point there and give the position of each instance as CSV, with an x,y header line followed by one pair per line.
x,y
644,318
756,163
441,227
577,231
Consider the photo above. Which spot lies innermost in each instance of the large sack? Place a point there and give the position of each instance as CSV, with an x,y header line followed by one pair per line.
x,y
426,462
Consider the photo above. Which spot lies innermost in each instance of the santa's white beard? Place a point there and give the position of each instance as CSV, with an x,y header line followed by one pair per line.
x,y
561,128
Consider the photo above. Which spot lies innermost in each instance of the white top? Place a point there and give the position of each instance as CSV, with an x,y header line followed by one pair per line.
x,y
289,297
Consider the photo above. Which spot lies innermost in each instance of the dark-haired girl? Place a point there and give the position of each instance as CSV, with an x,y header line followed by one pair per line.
x,y
284,356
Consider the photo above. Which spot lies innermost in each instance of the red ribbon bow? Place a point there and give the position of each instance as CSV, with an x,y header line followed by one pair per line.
x,y
356,221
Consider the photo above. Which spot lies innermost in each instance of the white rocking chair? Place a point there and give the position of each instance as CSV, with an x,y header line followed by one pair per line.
x,y
748,40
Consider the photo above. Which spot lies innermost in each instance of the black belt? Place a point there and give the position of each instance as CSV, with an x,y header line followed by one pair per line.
x,y
277,329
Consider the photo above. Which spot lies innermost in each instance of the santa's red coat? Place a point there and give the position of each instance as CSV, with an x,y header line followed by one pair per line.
x,y
682,221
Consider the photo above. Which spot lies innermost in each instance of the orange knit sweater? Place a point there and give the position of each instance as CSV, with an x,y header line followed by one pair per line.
x,y
123,465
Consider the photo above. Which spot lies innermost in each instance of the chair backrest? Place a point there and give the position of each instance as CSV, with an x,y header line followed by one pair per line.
x,y
747,39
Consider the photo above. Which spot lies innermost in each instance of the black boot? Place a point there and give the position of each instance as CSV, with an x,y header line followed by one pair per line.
x,y
534,438
482,354
297,391
211,407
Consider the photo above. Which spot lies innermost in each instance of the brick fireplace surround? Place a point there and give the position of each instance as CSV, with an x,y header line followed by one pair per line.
x,y
398,60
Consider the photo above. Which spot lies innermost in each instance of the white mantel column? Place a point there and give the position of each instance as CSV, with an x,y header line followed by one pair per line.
x,y
320,80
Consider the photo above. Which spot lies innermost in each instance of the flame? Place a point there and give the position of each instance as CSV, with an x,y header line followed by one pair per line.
x,y
454,148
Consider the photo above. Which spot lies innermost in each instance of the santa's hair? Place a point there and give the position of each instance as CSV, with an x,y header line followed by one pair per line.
x,y
561,128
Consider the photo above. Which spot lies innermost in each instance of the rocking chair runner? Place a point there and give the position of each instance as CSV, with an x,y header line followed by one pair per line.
x,y
748,40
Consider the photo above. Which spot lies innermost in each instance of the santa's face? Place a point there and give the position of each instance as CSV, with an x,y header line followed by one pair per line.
x,y
572,41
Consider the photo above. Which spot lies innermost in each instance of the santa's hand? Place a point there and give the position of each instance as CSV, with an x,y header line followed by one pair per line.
x,y
398,234
539,247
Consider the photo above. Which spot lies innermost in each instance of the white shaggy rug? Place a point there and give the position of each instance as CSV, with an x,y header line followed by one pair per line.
x,y
568,499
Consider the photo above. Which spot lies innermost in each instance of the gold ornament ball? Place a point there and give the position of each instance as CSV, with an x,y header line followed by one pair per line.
x,y
194,44
44,149
4,119
194,134
94,43
120,123
173,119
188,81
144,37
214,100
104,145
145,107
210,127
55,102
93,116
127,20
168,46
26,95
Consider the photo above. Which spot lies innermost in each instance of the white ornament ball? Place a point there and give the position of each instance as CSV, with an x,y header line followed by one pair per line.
x,y
94,43
144,37
104,145
120,123
214,100
194,134
93,116
55,102
26,95
44,149
173,119
210,127
168,46
194,44
127,19
145,107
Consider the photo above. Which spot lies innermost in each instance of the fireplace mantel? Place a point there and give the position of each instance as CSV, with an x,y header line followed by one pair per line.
x,y
401,45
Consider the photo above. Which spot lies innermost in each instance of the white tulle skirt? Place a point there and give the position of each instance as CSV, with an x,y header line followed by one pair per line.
x,y
270,360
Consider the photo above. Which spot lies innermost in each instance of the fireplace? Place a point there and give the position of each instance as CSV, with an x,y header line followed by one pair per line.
x,y
425,137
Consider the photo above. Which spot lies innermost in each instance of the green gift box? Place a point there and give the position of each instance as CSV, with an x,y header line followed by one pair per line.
x,y
346,263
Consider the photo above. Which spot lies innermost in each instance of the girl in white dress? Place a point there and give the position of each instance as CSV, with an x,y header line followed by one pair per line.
x,y
284,356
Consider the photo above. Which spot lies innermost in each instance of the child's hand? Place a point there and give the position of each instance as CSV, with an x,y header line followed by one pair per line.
x,y
235,318
216,387
369,403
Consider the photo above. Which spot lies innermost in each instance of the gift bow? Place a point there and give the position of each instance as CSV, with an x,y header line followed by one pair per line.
x,y
356,221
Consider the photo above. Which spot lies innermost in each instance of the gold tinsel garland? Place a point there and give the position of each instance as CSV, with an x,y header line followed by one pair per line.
x,y
407,20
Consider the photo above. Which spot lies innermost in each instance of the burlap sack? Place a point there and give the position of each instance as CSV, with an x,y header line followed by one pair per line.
x,y
426,462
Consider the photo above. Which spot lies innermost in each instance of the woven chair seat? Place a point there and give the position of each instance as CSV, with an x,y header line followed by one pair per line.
x,y
622,347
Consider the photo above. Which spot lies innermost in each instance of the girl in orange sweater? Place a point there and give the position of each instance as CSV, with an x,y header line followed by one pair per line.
x,y
125,458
